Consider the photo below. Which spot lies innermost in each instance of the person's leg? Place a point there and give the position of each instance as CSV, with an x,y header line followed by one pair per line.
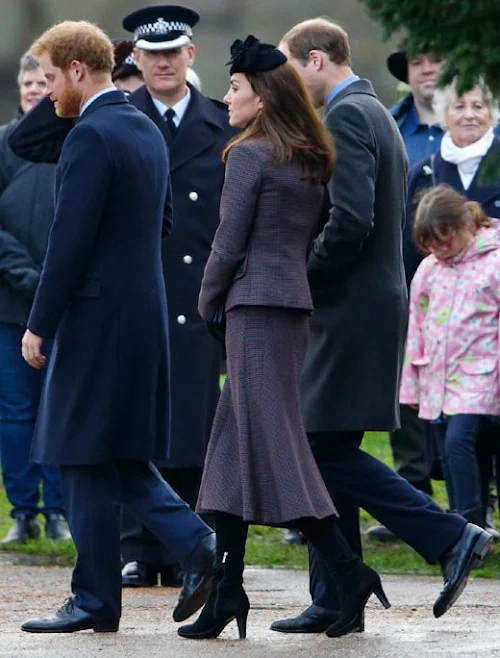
x,y
91,494
439,432
227,599
19,396
409,450
182,532
323,594
461,467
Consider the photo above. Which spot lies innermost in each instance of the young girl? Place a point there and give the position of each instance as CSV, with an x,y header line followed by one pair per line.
x,y
451,371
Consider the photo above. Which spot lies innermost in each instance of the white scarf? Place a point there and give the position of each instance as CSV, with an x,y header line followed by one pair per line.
x,y
468,158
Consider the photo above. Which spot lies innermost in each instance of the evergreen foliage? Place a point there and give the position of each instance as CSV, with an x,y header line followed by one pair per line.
x,y
466,33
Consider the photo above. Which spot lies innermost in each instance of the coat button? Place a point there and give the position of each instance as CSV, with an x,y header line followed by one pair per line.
x,y
187,259
497,204
181,319
193,196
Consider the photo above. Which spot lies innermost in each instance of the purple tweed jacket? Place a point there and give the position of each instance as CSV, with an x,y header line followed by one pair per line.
x,y
268,216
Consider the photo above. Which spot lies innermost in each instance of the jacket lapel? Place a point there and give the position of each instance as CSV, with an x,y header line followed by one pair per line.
x,y
485,191
196,133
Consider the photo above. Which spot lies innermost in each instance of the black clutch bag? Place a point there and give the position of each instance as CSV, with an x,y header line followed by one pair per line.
x,y
217,325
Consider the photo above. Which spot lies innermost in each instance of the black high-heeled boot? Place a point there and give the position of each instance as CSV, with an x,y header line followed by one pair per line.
x,y
227,600
355,581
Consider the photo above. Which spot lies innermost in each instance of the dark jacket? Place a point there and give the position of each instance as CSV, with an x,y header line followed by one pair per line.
x,y
26,214
259,254
421,179
197,175
102,295
352,368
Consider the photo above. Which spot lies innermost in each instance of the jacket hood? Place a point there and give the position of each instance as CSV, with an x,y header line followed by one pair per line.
x,y
486,240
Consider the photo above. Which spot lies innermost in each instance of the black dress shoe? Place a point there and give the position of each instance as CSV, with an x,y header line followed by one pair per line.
x,y
294,537
468,552
138,574
380,533
68,619
198,575
313,620
24,528
171,575
56,527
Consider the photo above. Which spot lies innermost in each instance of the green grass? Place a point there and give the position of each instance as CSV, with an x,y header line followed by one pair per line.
x,y
265,546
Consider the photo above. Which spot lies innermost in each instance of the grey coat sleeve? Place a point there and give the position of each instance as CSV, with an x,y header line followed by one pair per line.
x,y
352,193
237,211
17,268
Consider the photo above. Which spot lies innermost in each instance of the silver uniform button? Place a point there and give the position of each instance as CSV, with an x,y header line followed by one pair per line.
x,y
187,259
431,138
497,204
181,319
193,196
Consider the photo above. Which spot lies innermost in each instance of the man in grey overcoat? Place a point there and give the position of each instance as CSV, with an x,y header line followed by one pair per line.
x,y
351,373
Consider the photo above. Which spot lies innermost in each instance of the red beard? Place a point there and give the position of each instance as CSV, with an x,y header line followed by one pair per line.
x,y
68,103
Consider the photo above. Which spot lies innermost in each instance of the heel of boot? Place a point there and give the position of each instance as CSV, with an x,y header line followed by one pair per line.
x,y
380,594
241,620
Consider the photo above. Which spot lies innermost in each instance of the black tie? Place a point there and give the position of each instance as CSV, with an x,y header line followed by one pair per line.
x,y
169,118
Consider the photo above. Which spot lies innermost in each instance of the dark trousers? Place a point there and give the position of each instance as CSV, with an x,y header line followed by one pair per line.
x,y
92,495
356,479
457,436
412,449
20,389
138,544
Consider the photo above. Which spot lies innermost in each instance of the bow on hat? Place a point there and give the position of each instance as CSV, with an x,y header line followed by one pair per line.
x,y
252,56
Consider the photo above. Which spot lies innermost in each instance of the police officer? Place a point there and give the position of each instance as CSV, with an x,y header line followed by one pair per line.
x,y
196,129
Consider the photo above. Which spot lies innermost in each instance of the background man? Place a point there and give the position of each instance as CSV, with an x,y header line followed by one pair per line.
x,y
26,214
196,128
414,114
351,373
105,407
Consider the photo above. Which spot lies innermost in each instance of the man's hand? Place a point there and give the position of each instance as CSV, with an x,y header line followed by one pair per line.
x,y
31,348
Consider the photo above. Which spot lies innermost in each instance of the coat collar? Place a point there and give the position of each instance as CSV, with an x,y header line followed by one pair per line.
x,y
447,172
110,98
198,130
358,87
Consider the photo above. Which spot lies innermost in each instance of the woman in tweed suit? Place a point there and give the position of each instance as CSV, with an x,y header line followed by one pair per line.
x,y
259,467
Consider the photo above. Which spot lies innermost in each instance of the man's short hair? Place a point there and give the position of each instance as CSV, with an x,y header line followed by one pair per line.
x,y
28,62
319,34
76,40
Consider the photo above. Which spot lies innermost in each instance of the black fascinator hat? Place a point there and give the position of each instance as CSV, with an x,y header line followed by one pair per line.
x,y
252,56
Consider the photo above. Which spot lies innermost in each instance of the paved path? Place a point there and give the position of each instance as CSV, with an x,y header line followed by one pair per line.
x,y
408,630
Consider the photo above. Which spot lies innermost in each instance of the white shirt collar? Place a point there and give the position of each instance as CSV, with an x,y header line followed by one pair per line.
x,y
179,108
95,97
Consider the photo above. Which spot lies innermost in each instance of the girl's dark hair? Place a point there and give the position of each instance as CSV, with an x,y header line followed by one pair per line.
x,y
290,122
442,211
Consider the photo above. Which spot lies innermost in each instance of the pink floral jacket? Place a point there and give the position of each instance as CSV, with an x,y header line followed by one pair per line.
x,y
452,351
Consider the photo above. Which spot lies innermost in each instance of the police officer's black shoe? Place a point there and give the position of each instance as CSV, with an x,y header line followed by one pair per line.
x,y
24,528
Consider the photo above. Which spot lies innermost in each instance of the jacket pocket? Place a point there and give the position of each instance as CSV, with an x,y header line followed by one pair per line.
x,y
478,366
90,288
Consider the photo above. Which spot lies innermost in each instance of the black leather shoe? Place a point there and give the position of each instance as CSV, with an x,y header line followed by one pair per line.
x,y
294,537
171,575
198,574
56,527
456,564
68,619
380,533
24,528
138,574
313,620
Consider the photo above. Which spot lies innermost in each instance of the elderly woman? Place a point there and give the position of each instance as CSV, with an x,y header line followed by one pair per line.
x,y
468,142
468,121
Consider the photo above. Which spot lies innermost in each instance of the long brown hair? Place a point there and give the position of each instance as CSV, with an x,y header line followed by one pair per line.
x,y
290,122
443,211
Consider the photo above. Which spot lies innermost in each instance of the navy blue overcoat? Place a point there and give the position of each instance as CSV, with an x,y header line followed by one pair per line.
x,y
102,294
